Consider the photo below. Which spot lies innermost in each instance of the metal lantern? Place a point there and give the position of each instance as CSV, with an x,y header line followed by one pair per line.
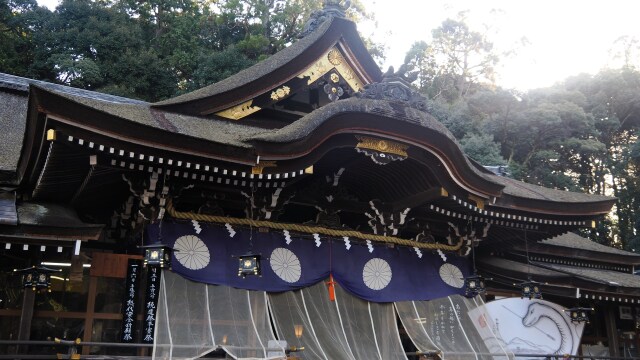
x,y
248,264
36,277
474,285
530,289
579,314
157,255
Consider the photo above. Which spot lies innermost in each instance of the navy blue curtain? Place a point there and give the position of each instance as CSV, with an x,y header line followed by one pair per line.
x,y
376,272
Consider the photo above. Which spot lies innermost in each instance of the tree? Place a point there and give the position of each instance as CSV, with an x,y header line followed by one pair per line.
x,y
455,61
19,21
482,148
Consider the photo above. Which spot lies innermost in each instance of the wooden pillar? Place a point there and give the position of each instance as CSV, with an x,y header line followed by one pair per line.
x,y
24,332
91,307
612,331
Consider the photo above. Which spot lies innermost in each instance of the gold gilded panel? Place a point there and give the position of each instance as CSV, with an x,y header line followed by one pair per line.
x,y
383,146
280,93
257,170
239,111
332,59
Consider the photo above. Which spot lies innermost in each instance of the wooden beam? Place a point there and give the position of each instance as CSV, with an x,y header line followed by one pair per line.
x,y
419,199
612,331
88,321
26,316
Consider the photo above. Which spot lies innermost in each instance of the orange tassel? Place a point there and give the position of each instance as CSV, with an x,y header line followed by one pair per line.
x,y
332,289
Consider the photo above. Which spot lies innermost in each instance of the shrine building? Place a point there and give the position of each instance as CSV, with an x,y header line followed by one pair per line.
x,y
307,207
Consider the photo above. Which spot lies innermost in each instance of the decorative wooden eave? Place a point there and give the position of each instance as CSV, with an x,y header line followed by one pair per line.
x,y
506,273
50,109
572,249
335,44
45,223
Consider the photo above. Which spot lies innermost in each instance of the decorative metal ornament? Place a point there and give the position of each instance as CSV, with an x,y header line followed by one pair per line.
x,y
239,111
249,264
259,168
157,255
474,285
382,152
333,91
36,277
335,57
280,93
579,314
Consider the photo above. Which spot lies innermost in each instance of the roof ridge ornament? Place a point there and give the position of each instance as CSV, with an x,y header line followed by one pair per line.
x,y
330,9
396,86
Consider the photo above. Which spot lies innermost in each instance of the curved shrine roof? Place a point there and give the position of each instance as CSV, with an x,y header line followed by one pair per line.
x,y
276,70
396,120
237,134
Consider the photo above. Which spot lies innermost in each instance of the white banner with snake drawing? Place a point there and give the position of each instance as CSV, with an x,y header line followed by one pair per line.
x,y
528,326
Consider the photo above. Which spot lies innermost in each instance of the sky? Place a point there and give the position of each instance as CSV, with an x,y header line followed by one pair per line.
x,y
564,37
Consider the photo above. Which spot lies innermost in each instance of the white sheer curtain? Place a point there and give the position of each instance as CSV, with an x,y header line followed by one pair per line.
x,y
347,328
194,319
445,325
371,328
484,325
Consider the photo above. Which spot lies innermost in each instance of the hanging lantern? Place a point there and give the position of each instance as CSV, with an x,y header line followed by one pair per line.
x,y
298,330
530,289
248,264
36,277
474,285
157,255
579,314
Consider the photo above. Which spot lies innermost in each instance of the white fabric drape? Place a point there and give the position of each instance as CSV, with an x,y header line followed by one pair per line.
x,y
444,325
347,328
194,319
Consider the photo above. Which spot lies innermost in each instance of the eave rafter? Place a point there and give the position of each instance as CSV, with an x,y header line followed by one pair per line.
x,y
143,159
435,200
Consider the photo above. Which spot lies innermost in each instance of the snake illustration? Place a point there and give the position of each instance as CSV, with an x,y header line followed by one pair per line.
x,y
537,311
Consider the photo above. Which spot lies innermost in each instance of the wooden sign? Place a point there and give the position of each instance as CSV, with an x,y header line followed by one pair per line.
x,y
151,303
129,306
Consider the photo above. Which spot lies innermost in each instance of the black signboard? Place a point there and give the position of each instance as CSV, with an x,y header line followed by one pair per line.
x,y
151,303
130,307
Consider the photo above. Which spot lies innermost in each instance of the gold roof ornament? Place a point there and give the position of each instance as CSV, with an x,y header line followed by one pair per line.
x,y
280,93
257,170
332,59
239,111
381,151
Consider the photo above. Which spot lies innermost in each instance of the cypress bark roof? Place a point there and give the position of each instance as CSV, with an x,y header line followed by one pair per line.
x,y
259,70
575,241
13,113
